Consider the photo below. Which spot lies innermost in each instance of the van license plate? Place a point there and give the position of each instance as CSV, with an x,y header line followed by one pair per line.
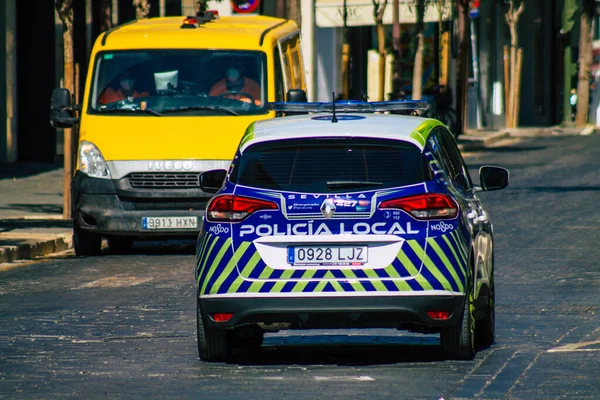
x,y
169,222
328,255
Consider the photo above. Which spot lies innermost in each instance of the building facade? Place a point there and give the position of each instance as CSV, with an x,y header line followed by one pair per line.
x,y
548,30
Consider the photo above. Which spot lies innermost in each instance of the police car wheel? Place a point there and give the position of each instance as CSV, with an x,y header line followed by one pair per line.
x,y
485,329
212,343
458,342
86,243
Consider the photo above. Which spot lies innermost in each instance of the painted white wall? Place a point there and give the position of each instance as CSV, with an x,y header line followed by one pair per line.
x,y
307,9
328,50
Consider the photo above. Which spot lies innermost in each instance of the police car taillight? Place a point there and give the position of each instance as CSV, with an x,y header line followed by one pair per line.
x,y
424,206
232,208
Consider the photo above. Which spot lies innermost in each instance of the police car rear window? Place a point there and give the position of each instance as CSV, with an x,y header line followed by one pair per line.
x,y
330,165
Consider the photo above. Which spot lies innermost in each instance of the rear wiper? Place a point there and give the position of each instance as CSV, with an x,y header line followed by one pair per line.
x,y
350,184
130,110
201,108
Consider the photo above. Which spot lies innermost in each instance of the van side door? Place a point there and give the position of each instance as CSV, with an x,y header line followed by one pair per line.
x,y
291,62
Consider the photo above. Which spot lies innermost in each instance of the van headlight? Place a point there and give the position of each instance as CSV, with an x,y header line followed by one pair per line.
x,y
91,161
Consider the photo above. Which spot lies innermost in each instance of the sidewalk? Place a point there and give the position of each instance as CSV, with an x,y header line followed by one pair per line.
x,y
31,198
31,221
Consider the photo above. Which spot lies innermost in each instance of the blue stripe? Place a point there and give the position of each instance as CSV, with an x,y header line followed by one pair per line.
x,y
399,267
389,285
266,288
328,288
347,286
359,273
297,274
412,256
382,274
368,286
258,269
244,287
414,285
276,274
219,269
441,267
288,287
447,249
210,257
245,258
229,280
319,274
310,287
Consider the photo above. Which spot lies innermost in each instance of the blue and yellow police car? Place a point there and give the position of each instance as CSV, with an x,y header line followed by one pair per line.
x,y
347,216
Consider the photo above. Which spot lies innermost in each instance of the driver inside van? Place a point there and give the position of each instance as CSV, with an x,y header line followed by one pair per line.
x,y
236,86
126,89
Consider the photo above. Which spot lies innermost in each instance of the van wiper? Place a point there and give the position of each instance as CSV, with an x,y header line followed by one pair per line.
x,y
351,184
201,108
129,110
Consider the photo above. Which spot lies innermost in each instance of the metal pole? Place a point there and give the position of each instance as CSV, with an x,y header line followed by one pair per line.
x,y
307,23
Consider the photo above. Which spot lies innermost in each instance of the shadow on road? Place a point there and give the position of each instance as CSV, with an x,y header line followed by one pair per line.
x,y
341,354
22,170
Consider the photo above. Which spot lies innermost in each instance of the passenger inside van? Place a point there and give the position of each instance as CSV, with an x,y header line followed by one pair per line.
x,y
126,89
236,86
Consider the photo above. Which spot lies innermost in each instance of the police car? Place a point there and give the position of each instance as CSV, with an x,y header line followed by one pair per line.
x,y
346,217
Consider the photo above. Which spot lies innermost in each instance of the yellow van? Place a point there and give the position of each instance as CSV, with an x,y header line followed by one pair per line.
x,y
166,99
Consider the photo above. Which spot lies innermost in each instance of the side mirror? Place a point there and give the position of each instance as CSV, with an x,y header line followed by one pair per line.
x,y
296,96
493,178
211,181
61,109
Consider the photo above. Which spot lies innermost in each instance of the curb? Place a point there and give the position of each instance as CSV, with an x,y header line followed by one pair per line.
x,y
31,248
473,142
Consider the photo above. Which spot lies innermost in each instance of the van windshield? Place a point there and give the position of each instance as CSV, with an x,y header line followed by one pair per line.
x,y
179,82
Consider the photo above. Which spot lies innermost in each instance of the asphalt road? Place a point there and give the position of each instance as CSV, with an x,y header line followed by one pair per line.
x,y
124,326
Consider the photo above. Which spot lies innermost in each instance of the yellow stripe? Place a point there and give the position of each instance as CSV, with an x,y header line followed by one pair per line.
x,y
459,261
215,263
447,263
239,253
206,256
425,284
400,283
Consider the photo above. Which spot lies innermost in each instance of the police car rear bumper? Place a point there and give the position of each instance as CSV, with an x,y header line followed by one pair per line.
x,y
401,312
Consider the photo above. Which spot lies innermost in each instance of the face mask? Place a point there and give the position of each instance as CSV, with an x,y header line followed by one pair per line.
x,y
127,84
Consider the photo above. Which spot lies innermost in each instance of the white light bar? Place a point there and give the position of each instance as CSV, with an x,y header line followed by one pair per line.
x,y
350,106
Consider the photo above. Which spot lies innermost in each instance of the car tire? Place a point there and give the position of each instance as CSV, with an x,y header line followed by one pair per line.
x,y
213,344
458,342
485,329
119,245
86,243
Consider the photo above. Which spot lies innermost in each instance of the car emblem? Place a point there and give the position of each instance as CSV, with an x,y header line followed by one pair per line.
x,y
328,208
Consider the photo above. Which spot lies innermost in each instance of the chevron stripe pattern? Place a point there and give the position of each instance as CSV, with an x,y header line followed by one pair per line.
x,y
435,263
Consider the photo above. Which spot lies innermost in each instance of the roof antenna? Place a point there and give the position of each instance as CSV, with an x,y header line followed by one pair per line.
x,y
333,117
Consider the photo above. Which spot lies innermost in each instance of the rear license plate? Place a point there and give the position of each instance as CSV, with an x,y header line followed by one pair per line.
x,y
169,222
327,255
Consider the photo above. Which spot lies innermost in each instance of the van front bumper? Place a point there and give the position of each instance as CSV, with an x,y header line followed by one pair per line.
x,y
110,208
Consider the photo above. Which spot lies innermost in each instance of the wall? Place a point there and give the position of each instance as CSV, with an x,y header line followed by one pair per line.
x,y
328,47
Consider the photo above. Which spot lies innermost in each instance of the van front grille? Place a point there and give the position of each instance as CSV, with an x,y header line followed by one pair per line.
x,y
133,204
163,181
